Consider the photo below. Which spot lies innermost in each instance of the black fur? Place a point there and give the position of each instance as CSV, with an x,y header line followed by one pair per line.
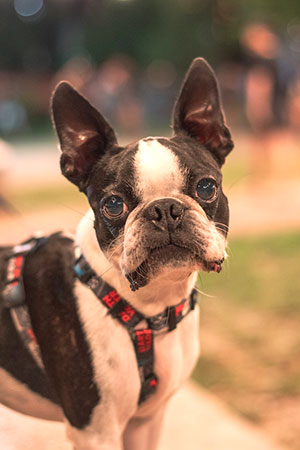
x,y
55,322
49,287
14,356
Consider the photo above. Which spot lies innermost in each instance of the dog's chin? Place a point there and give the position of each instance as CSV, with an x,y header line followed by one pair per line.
x,y
171,257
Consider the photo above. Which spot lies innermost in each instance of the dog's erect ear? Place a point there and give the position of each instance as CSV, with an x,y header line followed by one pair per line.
x,y
83,133
198,111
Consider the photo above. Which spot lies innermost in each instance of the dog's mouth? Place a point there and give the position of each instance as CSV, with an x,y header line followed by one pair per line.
x,y
170,255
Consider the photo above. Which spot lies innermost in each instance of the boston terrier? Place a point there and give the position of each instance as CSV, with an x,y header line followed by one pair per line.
x,y
101,330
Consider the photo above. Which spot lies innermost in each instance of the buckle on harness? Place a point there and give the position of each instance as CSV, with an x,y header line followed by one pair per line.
x,y
83,270
13,294
149,387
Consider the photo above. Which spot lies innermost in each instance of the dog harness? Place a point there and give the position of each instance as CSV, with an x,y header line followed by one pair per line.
x,y
141,329
14,295
130,318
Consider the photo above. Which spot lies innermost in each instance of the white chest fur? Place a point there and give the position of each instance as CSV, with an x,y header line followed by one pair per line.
x,y
115,366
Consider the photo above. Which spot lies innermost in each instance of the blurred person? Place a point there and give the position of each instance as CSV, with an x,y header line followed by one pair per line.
x,y
231,76
78,71
159,85
288,141
266,84
293,104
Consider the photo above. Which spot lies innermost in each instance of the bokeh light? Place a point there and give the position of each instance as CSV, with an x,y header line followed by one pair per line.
x,y
28,8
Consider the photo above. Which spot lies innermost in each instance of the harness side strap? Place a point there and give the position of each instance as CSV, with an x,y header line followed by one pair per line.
x,y
14,295
21,319
13,292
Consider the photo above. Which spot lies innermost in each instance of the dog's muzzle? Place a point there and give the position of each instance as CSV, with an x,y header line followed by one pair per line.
x,y
170,238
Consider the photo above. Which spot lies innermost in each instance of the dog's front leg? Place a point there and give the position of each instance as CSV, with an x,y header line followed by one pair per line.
x,y
144,433
89,439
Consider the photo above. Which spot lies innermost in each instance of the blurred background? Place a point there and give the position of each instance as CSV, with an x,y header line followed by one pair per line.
x,y
128,57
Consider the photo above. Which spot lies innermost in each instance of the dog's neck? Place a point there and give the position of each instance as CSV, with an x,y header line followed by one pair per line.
x,y
165,290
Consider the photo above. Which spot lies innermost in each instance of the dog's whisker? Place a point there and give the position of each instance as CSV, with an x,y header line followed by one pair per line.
x,y
221,226
142,273
204,293
105,271
229,251
110,255
113,247
238,181
82,214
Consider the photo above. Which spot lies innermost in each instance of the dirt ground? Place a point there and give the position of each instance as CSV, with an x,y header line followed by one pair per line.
x,y
194,420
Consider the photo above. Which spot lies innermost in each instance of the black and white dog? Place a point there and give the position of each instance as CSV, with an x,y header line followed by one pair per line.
x,y
113,327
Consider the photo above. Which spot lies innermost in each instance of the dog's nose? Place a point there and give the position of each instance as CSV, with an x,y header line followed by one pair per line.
x,y
165,214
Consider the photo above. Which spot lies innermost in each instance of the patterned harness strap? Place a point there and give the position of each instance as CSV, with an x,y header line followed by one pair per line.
x,y
130,318
14,295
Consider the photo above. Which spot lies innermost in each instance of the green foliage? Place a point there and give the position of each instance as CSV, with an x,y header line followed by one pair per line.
x,y
177,30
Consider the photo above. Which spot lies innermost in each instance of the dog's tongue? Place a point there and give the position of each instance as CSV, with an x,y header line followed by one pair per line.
x,y
215,266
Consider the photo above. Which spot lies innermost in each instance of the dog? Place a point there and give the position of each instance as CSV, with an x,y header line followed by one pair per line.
x,y
101,331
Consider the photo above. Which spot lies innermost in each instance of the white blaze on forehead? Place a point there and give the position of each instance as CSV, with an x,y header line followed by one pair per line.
x,y
158,170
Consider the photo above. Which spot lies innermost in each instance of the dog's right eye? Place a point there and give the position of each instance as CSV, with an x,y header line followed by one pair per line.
x,y
206,189
114,207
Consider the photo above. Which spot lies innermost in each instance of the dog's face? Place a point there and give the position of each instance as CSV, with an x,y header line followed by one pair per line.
x,y
158,203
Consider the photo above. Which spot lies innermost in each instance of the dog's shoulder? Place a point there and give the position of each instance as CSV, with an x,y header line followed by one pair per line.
x,y
49,281
50,267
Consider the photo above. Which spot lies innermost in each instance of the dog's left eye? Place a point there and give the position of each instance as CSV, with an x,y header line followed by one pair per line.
x,y
206,189
114,207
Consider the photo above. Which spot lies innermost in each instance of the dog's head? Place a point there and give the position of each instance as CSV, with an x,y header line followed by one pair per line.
x,y
158,203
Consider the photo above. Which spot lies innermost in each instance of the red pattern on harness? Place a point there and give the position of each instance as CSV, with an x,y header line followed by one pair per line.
x,y
179,308
111,299
127,313
31,334
14,269
144,339
18,266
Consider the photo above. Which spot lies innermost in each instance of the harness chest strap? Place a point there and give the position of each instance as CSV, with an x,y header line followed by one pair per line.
x,y
129,317
142,338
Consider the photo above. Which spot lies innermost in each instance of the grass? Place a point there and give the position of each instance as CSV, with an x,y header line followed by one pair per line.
x,y
261,272
250,336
